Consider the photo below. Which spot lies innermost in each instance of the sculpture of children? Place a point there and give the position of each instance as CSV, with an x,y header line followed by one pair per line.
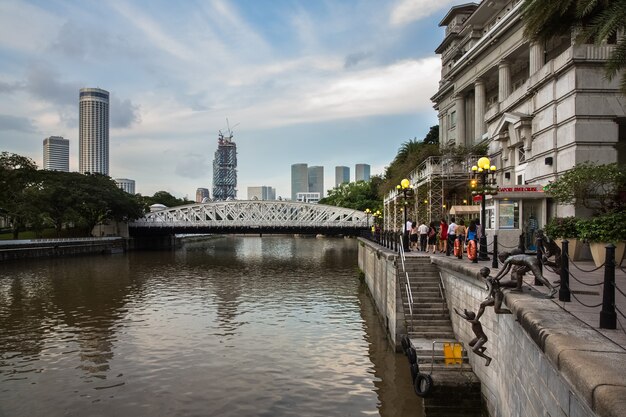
x,y
495,296
481,338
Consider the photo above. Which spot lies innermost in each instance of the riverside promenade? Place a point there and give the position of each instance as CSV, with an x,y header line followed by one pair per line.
x,y
591,359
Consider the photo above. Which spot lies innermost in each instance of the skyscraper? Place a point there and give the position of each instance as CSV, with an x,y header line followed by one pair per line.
x,y
93,139
126,184
299,180
225,168
342,175
56,154
202,194
362,172
263,192
316,180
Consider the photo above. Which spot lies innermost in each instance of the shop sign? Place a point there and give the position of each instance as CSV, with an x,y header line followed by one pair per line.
x,y
521,188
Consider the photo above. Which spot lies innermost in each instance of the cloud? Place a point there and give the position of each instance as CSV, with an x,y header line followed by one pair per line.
x,y
355,58
42,82
123,113
19,124
193,166
408,11
10,87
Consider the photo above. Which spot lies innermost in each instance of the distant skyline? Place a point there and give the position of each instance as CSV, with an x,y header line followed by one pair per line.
x,y
330,83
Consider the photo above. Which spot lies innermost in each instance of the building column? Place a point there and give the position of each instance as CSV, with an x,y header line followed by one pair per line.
x,y
504,80
536,57
460,119
480,102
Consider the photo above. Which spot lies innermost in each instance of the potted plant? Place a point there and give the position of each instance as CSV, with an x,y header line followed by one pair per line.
x,y
561,228
601,230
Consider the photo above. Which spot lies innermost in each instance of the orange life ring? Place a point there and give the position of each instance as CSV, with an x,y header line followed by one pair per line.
x,y
458,251
471,250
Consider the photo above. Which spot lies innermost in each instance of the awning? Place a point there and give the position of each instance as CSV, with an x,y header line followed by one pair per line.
x,y
465,210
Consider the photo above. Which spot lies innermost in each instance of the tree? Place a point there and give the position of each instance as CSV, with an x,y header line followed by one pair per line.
x,y
601,188
358,195
165,198
432,137
17,175
592,21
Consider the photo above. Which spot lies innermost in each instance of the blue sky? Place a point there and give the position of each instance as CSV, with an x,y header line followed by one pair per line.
x,y
304,81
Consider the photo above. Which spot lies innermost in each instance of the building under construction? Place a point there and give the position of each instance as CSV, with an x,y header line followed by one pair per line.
x,y
225,168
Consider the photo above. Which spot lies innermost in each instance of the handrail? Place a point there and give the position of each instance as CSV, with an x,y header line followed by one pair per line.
x,y
407,285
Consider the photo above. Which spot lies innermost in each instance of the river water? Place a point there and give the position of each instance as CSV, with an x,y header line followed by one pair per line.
x,y
233,326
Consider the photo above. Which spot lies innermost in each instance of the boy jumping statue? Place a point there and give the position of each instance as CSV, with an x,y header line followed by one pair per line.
x,y
495,296
524,263
480,339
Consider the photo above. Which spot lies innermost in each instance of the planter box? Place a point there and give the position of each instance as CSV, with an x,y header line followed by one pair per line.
x,y
598,252
573,249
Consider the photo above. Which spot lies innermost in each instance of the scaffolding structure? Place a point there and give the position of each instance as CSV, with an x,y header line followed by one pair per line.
x,y
225,168
434,180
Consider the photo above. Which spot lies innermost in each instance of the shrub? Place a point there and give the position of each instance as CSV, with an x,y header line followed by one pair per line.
x,y
609,228
562,228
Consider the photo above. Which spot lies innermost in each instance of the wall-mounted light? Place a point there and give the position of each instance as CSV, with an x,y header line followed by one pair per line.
x,y
548,160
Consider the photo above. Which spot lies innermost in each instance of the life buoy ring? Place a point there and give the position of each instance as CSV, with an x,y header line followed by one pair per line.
x,y
422,384
471,250
458,251
412,355
415,370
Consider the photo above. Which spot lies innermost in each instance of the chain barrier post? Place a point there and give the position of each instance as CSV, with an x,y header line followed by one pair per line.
x,y
494,261
608,317
539,257
564,293
521,244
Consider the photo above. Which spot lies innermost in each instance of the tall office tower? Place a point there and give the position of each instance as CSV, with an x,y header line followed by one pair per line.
x,y
342,175
316,180
299,180
56,154
126,185
362,172
262,192
202,195
93,133
225,168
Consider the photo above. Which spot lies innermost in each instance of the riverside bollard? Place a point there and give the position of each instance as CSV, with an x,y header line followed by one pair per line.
x,y
564,293
539,257
494,261
521,244
608,318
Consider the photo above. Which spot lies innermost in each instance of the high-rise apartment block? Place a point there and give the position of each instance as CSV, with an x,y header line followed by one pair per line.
x,y
93,131
202,195
316,180
299,180
262,192
225,169
56,154
362,172
342,175
126,184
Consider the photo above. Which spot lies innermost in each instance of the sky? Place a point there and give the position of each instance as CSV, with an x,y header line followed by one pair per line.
x,y
329,83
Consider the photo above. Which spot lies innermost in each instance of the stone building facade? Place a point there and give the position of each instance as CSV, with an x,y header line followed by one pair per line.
x,y
541,108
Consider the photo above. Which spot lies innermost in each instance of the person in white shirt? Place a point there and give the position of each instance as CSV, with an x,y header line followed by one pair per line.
x,y
423,232
451,236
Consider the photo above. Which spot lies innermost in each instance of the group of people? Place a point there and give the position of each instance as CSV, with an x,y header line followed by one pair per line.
x,y
433,238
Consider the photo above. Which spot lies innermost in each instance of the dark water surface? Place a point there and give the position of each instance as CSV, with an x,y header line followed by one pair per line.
x,y
235,326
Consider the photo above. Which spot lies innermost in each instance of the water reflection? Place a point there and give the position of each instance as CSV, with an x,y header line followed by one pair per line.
x,y
235,326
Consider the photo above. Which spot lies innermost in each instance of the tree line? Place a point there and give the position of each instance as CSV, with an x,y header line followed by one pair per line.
x,y
32,199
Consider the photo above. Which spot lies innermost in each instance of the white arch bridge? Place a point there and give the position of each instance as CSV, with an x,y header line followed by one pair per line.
x,y
251,216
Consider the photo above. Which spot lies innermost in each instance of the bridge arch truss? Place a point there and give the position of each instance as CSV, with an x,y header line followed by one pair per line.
x,y
252,216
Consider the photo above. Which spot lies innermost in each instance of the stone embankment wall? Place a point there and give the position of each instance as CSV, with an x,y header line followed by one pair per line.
x,y
546,362
379,267
44,248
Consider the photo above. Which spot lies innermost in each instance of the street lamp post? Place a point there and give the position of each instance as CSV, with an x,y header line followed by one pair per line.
x,y
482,185
367,214
407,192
